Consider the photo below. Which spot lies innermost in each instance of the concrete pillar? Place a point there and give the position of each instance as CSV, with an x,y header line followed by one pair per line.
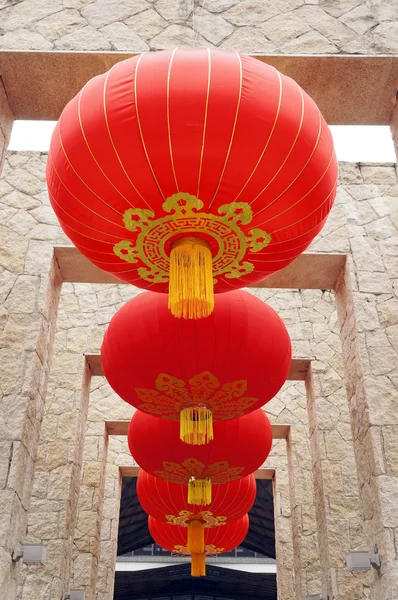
x,y
110,520
87,535
6,121
53,509
30,285
338,513
285,576
304,528
394,124
368,315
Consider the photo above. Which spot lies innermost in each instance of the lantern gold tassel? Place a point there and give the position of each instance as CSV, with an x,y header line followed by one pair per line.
x,y
191,292
198,565
196,537
199,491
196,425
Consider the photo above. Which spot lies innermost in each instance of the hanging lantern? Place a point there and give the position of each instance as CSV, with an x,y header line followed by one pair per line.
x,y
195,372
183,169
217,540
167,502
239,448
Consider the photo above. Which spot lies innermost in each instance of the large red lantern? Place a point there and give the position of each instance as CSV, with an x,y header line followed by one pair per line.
x,y
217,540
204,166
167,501
219,368
239,448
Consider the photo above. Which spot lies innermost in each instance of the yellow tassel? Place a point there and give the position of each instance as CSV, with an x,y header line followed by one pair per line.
x,y
199,491
196,425
191,292
198,565
196,537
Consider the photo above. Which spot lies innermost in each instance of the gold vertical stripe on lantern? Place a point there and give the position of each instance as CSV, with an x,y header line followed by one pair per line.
x,y
196,425
198,565
199,491
196,537
191,292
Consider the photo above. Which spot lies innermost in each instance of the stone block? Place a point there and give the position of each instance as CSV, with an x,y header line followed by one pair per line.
x,y
82,569
211,26
23,296
388,489
178,35
251,12
390,445
281,30
87,38
311,42
360,19
59,483
44,526
375,283
59,24
147,23
123,37
92,474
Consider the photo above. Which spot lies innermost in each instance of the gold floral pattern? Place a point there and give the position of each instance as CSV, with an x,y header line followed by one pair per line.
x,y
185,516
171,395
185,218
210,549
219,472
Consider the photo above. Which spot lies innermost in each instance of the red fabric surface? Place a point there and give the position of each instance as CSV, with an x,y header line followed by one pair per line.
x,y
211,123
239,448
217,539
243,340
163,499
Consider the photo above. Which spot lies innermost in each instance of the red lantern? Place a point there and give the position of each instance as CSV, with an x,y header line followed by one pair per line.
x,y
167,501
217,540
239,448
200,164
220,368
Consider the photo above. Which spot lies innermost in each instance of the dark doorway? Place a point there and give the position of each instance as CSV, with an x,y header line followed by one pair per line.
x,y
173,581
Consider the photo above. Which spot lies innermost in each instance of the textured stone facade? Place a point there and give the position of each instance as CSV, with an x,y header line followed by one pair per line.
x,y
253,26
336,476
73,505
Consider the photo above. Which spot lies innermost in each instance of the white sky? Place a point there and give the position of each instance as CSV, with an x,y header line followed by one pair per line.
x,y
353,143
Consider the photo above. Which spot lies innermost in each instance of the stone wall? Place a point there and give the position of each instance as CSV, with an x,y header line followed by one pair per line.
x,y
252,26
336,479
74,468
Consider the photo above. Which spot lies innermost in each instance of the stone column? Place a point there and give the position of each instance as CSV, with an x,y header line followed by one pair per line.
x,y
304,529
394,125
99,496
29,295
110,520
6,121
289,407
369,319
338,513
285,579
89,515
53,509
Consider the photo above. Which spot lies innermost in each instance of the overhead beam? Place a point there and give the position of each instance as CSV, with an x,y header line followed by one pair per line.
x,y
349,90
131,471
298,367
308,271
279,432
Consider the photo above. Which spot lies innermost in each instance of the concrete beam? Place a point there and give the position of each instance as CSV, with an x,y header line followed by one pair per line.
x,y
349,90
130,471
308,271
279,432
298,369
